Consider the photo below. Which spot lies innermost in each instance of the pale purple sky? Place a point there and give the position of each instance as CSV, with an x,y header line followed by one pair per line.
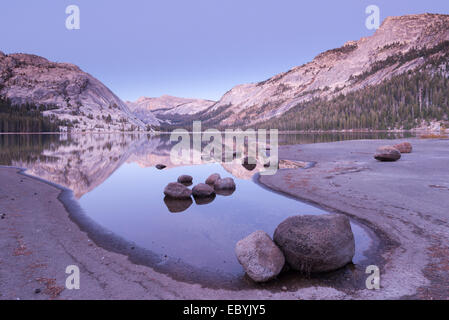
x,y
196,48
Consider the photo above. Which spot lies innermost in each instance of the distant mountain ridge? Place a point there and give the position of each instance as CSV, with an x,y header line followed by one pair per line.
x,y
166,107
395,79
394,49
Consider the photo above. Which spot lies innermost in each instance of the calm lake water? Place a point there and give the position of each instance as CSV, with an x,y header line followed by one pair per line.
x,y
115,182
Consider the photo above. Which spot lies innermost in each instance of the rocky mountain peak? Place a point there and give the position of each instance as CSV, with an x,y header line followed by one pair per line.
x,y
79,97
353,66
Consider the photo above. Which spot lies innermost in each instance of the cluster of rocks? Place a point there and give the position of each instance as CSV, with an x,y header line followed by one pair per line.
x,y
178,197
305,243
392,153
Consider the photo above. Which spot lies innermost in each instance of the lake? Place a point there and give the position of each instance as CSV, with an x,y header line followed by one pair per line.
x,y
119,200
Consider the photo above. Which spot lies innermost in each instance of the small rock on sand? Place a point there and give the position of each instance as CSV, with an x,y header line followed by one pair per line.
x,y
160,166
387,153
404,147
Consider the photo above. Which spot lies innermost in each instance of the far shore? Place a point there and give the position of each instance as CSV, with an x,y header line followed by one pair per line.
x,y
405,203
412,131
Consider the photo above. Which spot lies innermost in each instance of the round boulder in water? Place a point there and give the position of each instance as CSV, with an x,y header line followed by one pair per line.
x,y
177,190
185,179
212,178
224,184
202,190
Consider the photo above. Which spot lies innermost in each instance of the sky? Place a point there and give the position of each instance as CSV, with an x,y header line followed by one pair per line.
x,y
189,48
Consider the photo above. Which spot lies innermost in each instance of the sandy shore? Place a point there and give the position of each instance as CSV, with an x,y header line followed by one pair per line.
x,y
404,202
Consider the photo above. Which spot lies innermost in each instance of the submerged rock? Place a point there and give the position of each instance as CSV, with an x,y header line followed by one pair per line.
x,y
160,166
404,147
316,243
202,190
185,179
177,190
387,153
177,205
259,256
212,178
204,200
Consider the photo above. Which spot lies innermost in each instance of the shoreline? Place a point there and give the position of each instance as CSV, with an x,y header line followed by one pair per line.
x,y
151,284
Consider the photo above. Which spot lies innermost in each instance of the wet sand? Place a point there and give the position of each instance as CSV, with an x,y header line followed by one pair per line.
x,y
404,202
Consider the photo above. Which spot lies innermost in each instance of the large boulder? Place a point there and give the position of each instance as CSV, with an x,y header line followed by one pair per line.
x,y
404,147
259,256
176,190
185,179
212,178
316,243
160,166
387,153
202,190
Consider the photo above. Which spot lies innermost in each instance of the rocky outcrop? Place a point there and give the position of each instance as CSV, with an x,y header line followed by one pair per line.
x,y
79,97
316,243
387,153
259,256
176,190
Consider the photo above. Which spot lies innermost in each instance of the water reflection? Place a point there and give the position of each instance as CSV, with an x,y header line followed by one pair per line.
x,y
83,162
177,205
118,186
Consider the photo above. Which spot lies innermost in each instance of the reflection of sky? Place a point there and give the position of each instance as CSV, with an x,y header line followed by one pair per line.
x,y
130,204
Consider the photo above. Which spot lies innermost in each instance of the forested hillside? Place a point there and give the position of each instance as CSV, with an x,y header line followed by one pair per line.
x,y
402,102
27,118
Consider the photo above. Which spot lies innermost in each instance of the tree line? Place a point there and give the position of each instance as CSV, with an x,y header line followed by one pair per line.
x,y
27,118
403,101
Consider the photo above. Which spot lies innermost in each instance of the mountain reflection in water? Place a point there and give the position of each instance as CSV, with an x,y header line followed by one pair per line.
x,y
114,179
